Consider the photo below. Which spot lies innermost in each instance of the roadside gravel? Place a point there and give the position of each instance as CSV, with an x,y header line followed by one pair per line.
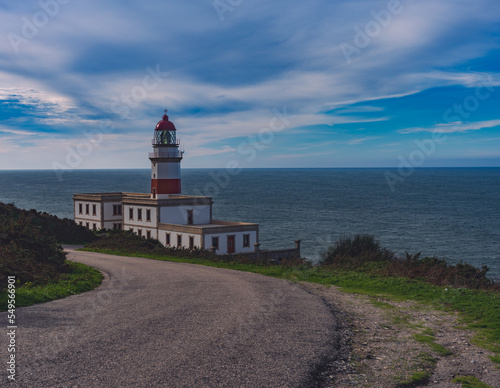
x,y
384,352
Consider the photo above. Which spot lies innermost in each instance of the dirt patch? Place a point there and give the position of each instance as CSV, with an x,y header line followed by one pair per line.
x,y
395,343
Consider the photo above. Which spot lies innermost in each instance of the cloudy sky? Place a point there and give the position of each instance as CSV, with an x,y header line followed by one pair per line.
x,y
323,83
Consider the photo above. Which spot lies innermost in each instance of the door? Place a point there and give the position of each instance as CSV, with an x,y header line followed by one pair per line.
x,y
230,244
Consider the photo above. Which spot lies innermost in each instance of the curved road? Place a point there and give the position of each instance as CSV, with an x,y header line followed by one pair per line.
x,y
154,323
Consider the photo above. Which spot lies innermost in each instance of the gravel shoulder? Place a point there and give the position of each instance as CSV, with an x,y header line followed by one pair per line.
x,y
385,353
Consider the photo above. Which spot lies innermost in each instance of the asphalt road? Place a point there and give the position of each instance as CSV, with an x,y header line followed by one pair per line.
x,y
154,323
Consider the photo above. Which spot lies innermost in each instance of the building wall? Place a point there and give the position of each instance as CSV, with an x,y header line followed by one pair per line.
x,y
144,230
103,217
93,220
173,238
108,212
163,170
90,215
178,214
135,220
111,225
238,242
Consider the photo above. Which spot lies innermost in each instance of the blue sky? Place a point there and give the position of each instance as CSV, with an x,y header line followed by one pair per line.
x,y
260,83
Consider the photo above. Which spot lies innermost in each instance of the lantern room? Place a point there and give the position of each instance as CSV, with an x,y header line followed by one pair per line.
x,y
165,132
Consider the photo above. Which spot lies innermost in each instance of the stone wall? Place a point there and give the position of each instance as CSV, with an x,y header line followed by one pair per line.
x,y
272,255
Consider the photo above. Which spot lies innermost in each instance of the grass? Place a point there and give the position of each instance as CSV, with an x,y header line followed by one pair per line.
x,y
470,382
495,359
418,377
478,309
80,278
382,305
424,367
405,321
427,337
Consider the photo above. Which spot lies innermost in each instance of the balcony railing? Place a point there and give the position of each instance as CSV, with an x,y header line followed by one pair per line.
x,y
176,154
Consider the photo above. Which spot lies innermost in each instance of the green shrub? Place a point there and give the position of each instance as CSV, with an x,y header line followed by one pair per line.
x,y
354,251
29,248
64,230
127,241
364,253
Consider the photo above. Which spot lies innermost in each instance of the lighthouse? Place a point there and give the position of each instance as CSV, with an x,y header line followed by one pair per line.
x,y
165,160
175,220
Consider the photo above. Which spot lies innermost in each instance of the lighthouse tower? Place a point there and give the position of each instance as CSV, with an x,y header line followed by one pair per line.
x,y
165,160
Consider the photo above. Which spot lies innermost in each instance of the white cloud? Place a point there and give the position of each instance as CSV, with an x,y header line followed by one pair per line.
x,y
66,75
201,151
360,140
454,127
19,132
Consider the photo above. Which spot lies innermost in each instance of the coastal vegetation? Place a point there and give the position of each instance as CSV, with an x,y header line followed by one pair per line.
x,y
358,264
76,279
30,251
364,253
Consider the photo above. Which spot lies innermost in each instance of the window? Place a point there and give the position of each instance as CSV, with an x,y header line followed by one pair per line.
x,y
139,232
80,208
87,225
81,223
94,226
87,211
154,192
94,210
131,230
139,214
191,242
117,226
131,213
179,240
117,210
167,238
246,240
148,215
215,242
148,234
190,217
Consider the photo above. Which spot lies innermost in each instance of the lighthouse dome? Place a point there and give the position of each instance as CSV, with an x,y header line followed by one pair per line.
x,y
165,125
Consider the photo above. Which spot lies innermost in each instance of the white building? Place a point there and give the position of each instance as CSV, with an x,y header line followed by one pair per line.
x,y
166,215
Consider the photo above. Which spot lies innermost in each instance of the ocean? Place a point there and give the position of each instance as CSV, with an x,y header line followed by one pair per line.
x,y
453,213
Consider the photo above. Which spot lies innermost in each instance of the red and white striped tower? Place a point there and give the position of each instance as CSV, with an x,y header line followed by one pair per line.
x,y
165,160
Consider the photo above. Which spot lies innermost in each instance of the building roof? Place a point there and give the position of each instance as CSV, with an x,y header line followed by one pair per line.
x,y
165,124
144,199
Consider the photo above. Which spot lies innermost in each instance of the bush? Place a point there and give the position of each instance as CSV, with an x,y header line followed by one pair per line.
x,y
127,241
440,272
363,253
29,248
64,230
349,251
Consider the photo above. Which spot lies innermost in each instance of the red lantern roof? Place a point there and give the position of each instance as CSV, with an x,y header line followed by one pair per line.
x,y
165,124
